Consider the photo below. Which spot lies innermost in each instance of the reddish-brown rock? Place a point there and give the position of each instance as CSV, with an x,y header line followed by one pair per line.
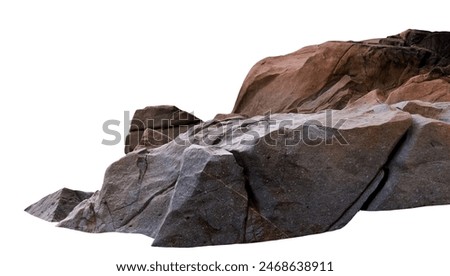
x,y
154,126
413,65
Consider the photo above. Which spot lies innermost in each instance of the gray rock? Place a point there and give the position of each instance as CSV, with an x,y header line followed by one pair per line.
x,y
264,178
303,187
418,174
209,202
55,207
152,139
135,196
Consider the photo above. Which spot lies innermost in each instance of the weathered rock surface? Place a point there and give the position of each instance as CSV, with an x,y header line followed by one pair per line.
x,y
413,65
55,207
418,174
314,137
238,181
154,126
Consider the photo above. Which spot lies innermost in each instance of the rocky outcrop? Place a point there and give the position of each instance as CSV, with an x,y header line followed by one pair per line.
x,y
248,180
413,65
315,136
55,207
418,174
154,126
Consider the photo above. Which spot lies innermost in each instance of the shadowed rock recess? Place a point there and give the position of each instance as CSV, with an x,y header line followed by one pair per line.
x,y
314,137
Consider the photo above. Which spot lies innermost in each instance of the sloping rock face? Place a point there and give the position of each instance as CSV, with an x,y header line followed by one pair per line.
x,y
418,174
315,136
55,207
413,65
244,181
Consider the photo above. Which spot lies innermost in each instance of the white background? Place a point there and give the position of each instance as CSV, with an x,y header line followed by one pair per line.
x,y
68,66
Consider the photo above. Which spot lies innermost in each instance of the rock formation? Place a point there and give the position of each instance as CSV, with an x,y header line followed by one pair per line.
x,y
55,207
154,126
314,137
413,65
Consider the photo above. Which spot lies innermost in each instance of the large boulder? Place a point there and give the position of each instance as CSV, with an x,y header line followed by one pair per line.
x,y
413,65
235,181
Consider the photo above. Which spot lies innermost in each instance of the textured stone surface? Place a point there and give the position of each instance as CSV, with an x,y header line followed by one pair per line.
x,y
250,180
154,126
209,202
55,207
294,183
152,139
409,66
315,136
419,175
